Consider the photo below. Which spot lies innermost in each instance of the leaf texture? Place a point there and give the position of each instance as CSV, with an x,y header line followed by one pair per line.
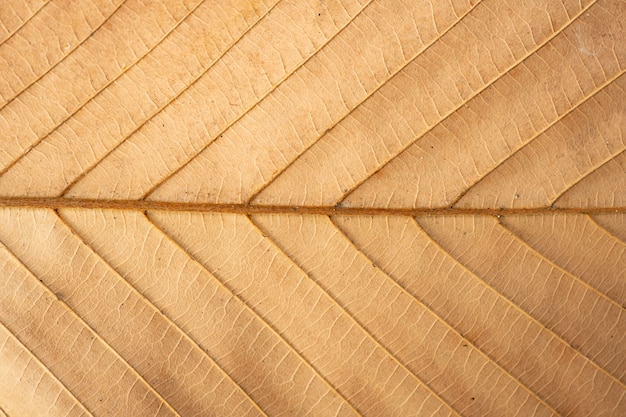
x,y
312,208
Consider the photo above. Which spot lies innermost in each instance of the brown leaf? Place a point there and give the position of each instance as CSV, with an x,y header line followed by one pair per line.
x,y
312,208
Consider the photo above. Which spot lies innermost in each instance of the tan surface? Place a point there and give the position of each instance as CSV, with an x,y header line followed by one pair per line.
x,y
312,208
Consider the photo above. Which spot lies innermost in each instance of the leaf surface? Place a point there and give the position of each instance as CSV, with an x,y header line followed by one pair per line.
x,y
312,208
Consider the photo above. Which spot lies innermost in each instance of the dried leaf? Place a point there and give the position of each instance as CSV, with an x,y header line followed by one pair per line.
x,y
312,208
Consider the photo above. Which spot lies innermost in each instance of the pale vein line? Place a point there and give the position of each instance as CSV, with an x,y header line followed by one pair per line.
x,y
171,100
586,175
79,319
64,56
35,359
470,98
356,322
21,25
442,320
98,92
554,265
556,337
158,311
539,133
605,230
270,91
254,313
584,238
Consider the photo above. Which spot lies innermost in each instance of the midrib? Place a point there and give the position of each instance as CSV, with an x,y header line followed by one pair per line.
x,y
143,205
